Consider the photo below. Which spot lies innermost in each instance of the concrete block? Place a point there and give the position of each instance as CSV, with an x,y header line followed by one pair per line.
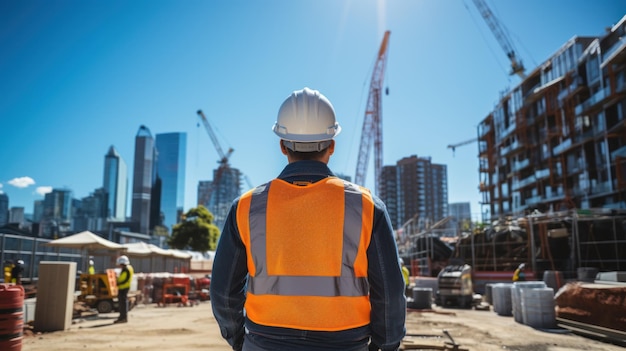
x,y
55,296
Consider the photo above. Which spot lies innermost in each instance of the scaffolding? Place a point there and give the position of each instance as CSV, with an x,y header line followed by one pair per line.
x,y
562,241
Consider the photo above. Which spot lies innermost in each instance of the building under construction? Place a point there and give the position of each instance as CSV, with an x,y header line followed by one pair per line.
x,y
557,141
553,165
217,195
552,170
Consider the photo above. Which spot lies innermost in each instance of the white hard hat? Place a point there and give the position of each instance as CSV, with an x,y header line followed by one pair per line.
x,y
123,260
91,262
20,262
306,116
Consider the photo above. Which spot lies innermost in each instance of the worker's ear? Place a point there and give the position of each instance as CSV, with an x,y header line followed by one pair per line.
x,y
331,147
283,149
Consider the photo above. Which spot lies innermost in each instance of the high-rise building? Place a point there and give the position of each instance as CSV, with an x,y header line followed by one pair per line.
x,y
90,213
423,190
57,213
16,215
204,191
37,211
389,192
462,215
171,155
144,176
115,184
4,209
218,198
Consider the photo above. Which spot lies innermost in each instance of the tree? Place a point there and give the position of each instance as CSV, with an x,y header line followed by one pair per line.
x,y
196,232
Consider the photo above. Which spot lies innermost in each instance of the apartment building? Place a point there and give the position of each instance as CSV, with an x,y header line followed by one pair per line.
x,y
557,141
415,189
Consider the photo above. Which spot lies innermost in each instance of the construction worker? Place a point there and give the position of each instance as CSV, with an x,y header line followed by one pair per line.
x,y
91,269
405,275
8,267
17,271
123,286
519,275
310,257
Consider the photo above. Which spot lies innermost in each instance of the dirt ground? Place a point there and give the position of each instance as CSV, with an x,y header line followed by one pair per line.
x,y
194,328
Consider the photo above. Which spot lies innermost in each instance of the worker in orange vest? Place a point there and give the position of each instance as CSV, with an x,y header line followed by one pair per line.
x,y
310,257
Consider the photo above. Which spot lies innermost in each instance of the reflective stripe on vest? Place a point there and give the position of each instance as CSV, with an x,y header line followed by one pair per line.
x,y
336,284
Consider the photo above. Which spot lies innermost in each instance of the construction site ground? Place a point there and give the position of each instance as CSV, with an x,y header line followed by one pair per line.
x,y
194,328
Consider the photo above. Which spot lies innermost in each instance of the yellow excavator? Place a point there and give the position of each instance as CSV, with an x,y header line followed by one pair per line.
x,y
99,291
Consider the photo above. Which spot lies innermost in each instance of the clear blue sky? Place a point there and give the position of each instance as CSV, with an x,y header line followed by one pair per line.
x,y
79,76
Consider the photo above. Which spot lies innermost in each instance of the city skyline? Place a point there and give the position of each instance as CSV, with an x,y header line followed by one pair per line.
x,y
80,77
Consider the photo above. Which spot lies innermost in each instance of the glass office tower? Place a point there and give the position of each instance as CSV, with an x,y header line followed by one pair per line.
x,y
143,179
171,154
116,185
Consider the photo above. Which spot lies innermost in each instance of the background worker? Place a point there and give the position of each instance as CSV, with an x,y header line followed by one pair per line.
x,y
310,257
123,286
405,275
519,275
8,268
17,271
91,269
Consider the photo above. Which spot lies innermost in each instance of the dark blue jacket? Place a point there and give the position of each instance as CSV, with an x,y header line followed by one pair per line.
x,y
229,276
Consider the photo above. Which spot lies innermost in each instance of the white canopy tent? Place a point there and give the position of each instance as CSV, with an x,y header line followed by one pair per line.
x,y
149,258
91,245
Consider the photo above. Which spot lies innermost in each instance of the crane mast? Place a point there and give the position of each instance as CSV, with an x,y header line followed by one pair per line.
x,y
223,163
372,124
223,156
498,30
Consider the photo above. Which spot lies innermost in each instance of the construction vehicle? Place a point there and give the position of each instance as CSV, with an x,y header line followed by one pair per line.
x,y
100,291
455,287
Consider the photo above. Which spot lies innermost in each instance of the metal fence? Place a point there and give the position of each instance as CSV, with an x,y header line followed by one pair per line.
x,y
32,251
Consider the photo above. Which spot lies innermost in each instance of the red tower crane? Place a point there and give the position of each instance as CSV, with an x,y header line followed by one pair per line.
x,y
372,124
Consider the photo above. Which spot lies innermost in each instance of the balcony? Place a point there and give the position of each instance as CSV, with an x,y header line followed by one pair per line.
x,y
518,184
555,195
613,51
578,81
578,191
576,167
518,165
593,100
483,129
581,137
621,152
542,173
506,150
601,188
566,144
533,200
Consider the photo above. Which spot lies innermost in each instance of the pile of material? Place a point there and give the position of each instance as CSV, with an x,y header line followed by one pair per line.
x,y
595,304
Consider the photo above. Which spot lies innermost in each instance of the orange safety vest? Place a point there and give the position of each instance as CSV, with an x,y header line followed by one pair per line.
x,y
306,251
